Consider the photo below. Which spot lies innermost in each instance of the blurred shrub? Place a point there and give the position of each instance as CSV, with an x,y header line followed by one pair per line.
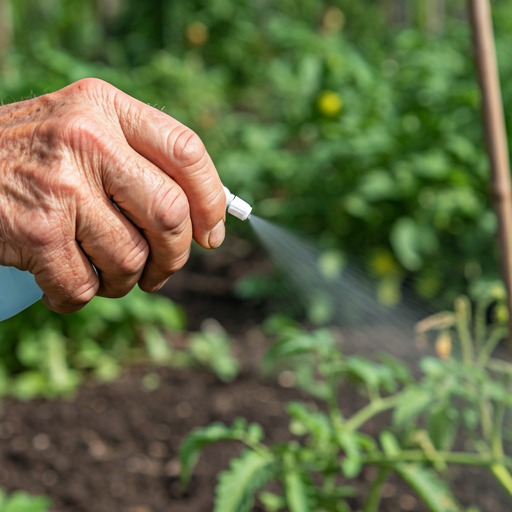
x,y
365,136
50,354
46,354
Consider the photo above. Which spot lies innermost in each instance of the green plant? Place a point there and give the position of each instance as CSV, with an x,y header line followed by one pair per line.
x,y
364,136
459,401
22,502
52,353
211,348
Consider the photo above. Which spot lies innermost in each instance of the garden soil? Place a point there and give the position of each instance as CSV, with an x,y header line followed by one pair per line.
x,y
114,447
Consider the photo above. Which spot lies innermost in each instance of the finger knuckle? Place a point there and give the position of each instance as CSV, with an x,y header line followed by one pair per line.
x,y
79,296
38,232
134,260
214,205
90,84
188,148
172,265
166,269
173,211
178,263
83,130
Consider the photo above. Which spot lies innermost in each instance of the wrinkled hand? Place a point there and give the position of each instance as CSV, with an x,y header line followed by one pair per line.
x,y
65,156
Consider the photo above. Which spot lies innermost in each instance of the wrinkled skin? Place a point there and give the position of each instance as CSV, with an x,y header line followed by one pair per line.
x,y
65,157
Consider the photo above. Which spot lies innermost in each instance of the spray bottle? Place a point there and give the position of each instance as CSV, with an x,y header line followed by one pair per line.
x,y
18,288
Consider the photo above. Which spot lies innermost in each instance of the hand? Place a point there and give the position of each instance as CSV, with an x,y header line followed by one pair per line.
x,y
65,156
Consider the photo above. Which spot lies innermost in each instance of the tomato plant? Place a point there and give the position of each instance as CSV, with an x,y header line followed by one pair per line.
x,y
461,399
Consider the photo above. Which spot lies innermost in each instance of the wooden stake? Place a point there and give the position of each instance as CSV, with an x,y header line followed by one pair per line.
x,y
495,133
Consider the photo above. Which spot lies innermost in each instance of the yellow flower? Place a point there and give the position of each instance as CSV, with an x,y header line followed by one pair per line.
x,y
197,33
329,103
444,345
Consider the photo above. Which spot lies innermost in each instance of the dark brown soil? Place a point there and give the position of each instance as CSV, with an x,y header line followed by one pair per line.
x,y
114,447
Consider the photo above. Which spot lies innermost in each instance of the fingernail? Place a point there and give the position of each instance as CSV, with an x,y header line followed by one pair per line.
x,y
217,235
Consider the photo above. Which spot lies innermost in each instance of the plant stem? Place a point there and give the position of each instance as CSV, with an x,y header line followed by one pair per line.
x,y
487,350
474,459
481,321
497,433
258,447
374,407
463,319
486,420
503,476
373,502
332,402
498,365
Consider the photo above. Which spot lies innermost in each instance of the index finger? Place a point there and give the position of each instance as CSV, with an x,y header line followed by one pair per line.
x,y
181,154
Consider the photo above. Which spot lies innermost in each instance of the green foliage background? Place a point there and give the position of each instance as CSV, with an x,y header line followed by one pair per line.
x,y
396,173
352,122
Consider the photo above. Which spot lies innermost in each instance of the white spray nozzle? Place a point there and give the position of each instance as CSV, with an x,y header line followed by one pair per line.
x,y
236,206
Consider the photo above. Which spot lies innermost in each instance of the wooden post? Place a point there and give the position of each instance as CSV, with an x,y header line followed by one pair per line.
x,y
495,133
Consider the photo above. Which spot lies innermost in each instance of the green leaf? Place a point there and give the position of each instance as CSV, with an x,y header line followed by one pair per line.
x,y
272,502
433,490
321,309
212,349
296,344
156,345
432,164
373,375
413,402
167,314
255,433
191,447
443,424
378,185
432,367
399,369
30,384
389,443
296,491
496,391
237,485
306,375
22,502
405,239
280,325
352,462
314,422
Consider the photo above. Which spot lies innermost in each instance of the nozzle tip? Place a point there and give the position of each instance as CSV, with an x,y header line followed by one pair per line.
x,y
239,208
